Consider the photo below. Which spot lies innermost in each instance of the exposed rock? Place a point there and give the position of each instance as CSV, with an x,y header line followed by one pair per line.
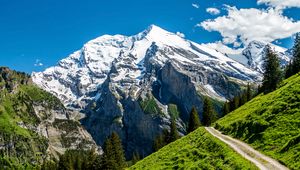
x,y
125,84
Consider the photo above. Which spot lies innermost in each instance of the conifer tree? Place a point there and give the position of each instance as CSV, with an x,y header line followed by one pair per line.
x,y
294,66
109,161
161,140
226,108
114,157
118,150
272,72
135,157
243,98
173,135
296,55
209,114
289,70
194,121
158,143
236,102
248,92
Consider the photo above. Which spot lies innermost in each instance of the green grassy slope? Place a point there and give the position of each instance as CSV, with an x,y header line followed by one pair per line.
x,y
198,150
270,123
20,146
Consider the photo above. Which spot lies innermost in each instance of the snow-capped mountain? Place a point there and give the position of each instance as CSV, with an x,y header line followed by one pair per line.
x,y
82,73
253,54
128,83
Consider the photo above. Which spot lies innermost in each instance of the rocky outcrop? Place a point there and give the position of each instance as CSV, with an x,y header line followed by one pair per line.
x,y
35,125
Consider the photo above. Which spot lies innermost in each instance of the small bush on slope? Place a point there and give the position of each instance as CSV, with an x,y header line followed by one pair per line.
x,y
198,150
270,123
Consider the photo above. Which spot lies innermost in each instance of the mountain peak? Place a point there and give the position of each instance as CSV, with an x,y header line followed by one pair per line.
x,y
255,42
154,32
154,28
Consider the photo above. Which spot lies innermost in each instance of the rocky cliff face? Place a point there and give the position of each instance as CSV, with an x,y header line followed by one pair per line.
x,y
34,125
127,84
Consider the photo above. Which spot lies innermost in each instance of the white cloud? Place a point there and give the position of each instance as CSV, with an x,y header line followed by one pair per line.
x,y
280,4
38,63
219,46
180,34
245,25
213,11
195,5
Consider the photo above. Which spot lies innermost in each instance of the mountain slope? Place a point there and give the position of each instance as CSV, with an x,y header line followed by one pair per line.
x,y
125,84
198,150
270,123
76,77
34,125
262,161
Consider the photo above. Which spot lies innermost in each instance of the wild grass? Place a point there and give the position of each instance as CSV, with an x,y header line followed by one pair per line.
x,y
270,123
198,150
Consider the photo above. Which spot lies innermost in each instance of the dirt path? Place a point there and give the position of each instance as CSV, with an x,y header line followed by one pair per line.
x,y
261,161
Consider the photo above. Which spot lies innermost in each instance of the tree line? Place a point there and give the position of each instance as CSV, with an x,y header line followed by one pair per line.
x,y
194,122
273,74
113,158
294,66
238,100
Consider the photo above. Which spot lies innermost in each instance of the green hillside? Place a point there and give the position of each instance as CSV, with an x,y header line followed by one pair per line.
x,y
270,123
20,145
198,150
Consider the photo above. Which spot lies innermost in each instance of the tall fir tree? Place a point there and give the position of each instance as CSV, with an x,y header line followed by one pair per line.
x,y
288,70
158,142
226,108
243,98
236,102
109,161
272,72
294,66
161,140
194,121
296,55
114,157
173,135
135,157
209,114
249,92
118,150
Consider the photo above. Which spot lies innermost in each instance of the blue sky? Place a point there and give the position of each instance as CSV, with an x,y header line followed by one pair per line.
x,y
36,34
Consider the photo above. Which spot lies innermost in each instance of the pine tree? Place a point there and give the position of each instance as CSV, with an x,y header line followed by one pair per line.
x,y
294,66
243,98
226,108
272,71
209,114
135,157
248,92
296,55
109,161
289,70
118,150
114,157
236,102
173,135
194,121
158,143
161,140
